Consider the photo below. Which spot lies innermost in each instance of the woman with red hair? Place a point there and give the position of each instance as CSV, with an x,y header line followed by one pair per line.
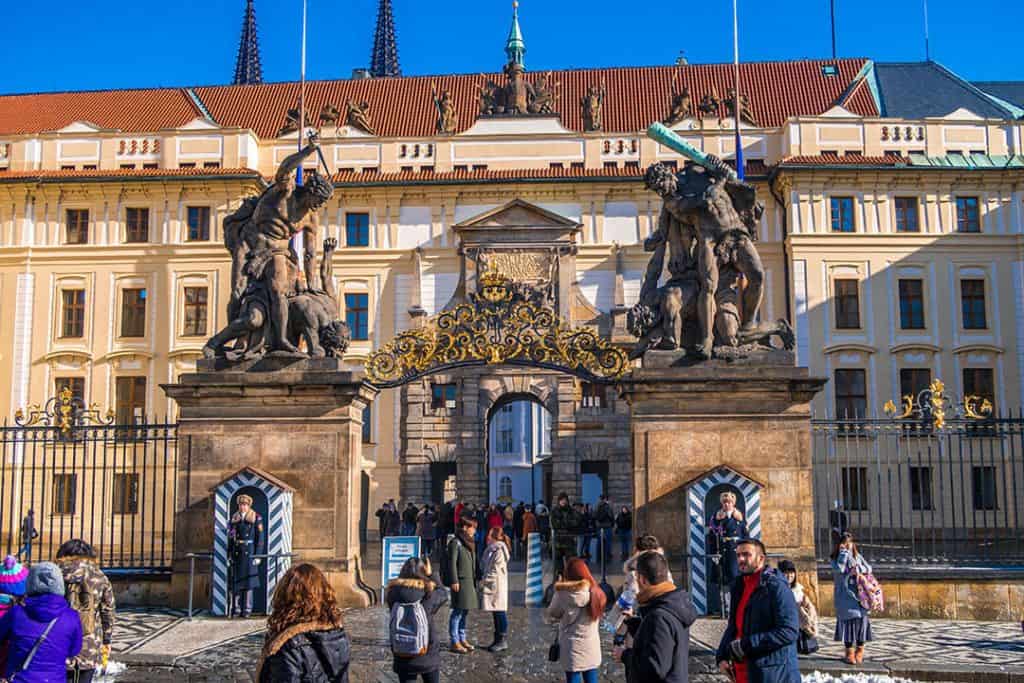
x,y
305,638
577,608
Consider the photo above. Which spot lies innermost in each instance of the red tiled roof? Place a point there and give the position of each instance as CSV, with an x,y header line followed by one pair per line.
x,y
402,107
132,111
859,99
844,160
127,173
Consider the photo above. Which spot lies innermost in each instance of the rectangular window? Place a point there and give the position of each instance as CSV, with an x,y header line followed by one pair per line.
x,y
76,226
198,218
980,382
367,425
195,312
136,225
921,488
130,400
506,442
126,494
851,394
357,229
967,216
914,380
75,384
72,313
842,214
906,215
847,301
357,315
593,395
442,396
972,302
911,304
983,484
64,487
133,313
855,488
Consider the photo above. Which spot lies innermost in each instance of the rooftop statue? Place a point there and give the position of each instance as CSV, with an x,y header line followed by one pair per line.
x,y
706,230
270,309
357,115
447,116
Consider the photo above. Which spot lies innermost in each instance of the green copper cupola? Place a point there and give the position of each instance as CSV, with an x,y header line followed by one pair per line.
x,y
515,46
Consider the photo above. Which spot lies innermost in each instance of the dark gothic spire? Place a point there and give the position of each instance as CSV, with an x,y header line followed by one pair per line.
x,y
247,68
384,60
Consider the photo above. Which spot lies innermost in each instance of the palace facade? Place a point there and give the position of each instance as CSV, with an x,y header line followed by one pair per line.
x,y
893,238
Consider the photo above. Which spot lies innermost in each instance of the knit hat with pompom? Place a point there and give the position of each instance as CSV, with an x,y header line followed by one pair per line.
x,y
13,577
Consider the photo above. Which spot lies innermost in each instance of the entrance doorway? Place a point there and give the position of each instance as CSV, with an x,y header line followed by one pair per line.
x,y
442,482
518,444
594,480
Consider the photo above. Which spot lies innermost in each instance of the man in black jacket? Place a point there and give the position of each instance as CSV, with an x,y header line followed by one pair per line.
x,y
660,650
605,518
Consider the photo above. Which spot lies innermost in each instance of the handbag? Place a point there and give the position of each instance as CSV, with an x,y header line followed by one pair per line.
x,y
806,644
555,651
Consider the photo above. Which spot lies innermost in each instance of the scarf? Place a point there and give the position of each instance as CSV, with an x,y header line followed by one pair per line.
x,y
656,591
466,540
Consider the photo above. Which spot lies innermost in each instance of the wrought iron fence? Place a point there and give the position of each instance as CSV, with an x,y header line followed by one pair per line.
x,y
935,482
66,472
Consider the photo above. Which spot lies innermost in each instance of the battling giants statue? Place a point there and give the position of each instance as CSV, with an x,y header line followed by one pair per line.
x,y
707,228
271,310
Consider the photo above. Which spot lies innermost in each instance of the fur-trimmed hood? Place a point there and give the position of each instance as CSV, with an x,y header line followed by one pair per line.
x,y
323,641
579,591
284,636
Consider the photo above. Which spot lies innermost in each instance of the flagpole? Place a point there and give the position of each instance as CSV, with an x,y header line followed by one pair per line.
x,y
927,47
736,99
302,92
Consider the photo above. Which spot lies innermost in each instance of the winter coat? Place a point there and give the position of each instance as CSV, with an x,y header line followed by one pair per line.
x,y
844,568
808,613
426,526
495,519
624,521
661,646
462,570
567,523
529,525
5,607
604,517
81,574
771,625
494,584
306,653
579,636
414,590
22,626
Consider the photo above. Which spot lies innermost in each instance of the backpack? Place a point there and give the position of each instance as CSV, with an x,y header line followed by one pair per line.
x,y
409,629
81,599
868,592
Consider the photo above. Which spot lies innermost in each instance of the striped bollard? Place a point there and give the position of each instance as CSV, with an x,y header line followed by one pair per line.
x,y
534,572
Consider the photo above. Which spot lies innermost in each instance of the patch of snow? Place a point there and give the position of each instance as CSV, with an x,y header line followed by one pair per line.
x,y
113,670
819,677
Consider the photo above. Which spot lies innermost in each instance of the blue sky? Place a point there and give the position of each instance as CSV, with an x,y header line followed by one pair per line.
x,y
107,44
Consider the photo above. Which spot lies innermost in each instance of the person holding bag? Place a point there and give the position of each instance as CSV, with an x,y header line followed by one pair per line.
x,y
853,625
494,586
577,608
807,641
43,633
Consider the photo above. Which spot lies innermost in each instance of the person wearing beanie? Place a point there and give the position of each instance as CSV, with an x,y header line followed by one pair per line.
x,y
46,619
13,578
89,593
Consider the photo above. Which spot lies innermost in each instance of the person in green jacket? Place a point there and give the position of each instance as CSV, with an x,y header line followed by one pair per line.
x,y
461,579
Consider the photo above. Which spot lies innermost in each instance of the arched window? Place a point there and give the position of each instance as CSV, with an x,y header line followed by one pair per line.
x,y
505,487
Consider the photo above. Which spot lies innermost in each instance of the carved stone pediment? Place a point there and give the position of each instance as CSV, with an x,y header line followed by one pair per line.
x,y
518,221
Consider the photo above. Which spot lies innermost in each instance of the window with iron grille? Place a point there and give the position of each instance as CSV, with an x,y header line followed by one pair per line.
x,y
914,380
133,313
842,214
855,488
72,313
983,486
967,217
195,312
357,229
594,395
980,382
847,303
851,394
75,384
357,315
972,303
126,494
921,488
911,304
198,219
442,396
76,226
130,400
906,214
136,225
64,489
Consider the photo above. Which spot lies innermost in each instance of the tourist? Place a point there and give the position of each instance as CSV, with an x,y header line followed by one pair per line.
x,y
494,586
29,533
544,526
565,523
88,592
853,625
644,544
529,525
445,521
457,514
305,639
22,629
604,518
426,530
584,525
246,539
624,530
495,518
660,646
13,579
461,552
577,607
409,517
759,643
394,521
517,527
416,585
383,514
808,613
727,527
508,525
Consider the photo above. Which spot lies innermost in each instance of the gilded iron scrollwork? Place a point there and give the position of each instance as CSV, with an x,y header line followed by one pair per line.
x,y
933,404
503,323
65,411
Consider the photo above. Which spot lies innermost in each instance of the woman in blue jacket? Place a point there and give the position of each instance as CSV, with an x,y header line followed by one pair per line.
x,y
853,627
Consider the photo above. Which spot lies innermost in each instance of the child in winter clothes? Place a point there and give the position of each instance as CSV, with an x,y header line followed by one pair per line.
x,y
808,613
13,577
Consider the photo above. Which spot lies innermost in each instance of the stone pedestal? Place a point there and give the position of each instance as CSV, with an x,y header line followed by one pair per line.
x,y
752,419
300,421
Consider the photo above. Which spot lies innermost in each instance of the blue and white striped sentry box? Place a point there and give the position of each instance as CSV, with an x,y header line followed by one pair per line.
x,y
534,572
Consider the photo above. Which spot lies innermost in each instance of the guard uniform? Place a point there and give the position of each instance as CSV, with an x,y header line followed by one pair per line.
x,y
245,539
724,535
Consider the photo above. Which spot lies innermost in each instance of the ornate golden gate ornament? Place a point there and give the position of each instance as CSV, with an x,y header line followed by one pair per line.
x,y
932,403
504,323
64,411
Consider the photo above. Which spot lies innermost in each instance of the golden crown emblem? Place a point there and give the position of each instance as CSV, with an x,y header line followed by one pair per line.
x,y
494,286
